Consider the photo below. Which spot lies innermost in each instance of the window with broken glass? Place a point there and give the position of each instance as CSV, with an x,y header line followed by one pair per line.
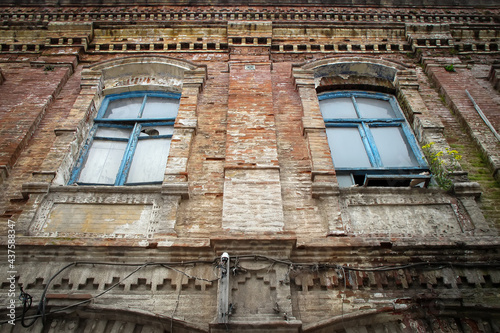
x,y
130,140
370,140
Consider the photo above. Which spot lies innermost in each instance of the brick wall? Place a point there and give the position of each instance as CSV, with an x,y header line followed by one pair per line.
x,y
250,171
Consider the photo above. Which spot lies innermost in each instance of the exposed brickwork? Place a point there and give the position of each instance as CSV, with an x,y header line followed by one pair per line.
x,y
24,95
250,143
250,171
461,137
203,212
295,166
42,106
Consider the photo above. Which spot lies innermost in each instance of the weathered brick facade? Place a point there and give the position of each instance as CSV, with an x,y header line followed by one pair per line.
x,y
249,169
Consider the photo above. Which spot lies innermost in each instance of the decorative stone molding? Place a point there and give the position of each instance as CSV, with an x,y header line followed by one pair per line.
x,y
429,36
140,73
378,213
104,212
340,12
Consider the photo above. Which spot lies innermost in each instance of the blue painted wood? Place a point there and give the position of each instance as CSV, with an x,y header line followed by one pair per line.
x,y
412,142
382,170
356,107
364,125
132,94
83,155
110,139
346,124
144,101
365,120
138,120
128,156
135,123
338,94
370,146
113,124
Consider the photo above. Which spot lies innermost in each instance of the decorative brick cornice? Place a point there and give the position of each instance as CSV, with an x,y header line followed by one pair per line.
x,y
284,13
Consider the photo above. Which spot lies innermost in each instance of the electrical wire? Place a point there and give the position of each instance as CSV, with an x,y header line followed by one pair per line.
x,y
189,276
312,267
41,311
27,301
316,266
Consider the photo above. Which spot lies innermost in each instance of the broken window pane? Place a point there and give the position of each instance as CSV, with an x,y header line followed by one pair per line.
x,y
156,130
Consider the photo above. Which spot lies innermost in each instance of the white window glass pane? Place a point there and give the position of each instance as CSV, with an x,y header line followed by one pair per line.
x,y
392,147
157,107
374,108
110,132
103,162
156,130
149,162
125,108
347,147
341,108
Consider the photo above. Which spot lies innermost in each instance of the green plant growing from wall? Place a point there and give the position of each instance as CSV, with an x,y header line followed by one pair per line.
x,y
442,164
450,68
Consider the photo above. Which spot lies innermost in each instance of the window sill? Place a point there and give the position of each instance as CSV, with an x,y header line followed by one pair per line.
x,y
107,189
179,188
332,189
389,190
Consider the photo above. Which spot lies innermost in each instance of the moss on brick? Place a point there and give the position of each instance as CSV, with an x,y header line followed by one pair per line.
x,y
475,164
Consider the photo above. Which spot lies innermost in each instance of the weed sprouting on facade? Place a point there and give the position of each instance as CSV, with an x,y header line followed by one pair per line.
x,y
450,68
442,164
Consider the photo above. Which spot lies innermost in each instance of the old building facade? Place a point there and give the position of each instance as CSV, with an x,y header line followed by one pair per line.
x,y
320,166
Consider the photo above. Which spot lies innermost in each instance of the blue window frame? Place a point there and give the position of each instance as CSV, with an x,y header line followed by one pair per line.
x,y
370,140
130,140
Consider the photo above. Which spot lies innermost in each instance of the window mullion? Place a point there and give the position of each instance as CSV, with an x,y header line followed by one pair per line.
x,y
143,105
370,146
356,106
129,154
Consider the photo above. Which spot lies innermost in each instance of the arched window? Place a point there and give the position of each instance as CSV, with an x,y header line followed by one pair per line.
x,y
370,140
130,140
